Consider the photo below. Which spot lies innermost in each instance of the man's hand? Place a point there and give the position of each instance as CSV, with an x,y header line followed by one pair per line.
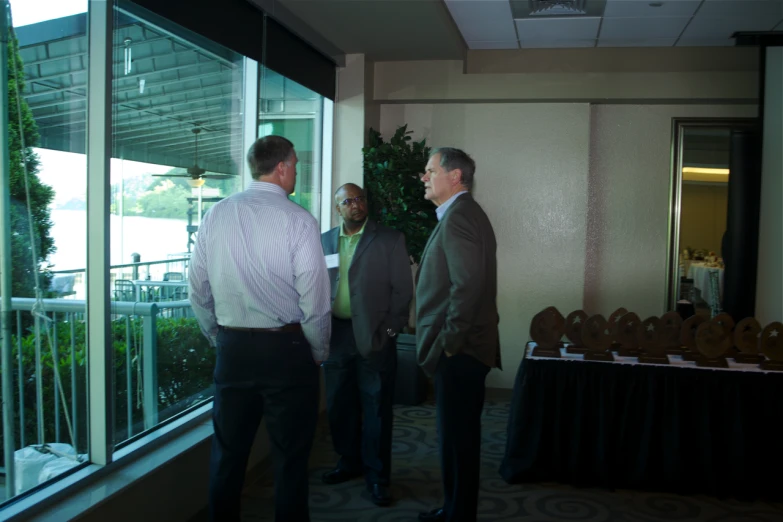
x,y
318,363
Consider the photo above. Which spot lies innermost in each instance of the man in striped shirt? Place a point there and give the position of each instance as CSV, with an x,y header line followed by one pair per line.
x,y
261,294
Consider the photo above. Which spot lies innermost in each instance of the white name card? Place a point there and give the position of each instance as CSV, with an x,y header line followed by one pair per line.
x,y
332,261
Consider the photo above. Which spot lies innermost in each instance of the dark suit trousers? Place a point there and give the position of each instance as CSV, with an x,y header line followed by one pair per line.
x,y
359,397
459,399
268,374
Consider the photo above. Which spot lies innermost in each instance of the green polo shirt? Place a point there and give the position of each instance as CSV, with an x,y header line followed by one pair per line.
x,y
342,301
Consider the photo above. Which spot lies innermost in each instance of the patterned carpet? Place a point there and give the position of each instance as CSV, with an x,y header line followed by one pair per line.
x,y
416,485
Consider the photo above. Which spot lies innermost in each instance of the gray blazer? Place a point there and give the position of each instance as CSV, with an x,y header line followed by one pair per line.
x,y
456,289
380,283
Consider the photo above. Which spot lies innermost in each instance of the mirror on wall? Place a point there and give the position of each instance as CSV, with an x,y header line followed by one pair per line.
x,y
709,171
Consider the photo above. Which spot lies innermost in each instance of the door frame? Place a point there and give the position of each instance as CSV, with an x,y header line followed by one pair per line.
x,y
679,125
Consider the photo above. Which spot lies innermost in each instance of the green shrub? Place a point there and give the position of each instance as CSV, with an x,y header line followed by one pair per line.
x,y
185,364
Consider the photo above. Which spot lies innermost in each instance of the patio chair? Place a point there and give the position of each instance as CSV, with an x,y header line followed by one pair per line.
x,y
124,290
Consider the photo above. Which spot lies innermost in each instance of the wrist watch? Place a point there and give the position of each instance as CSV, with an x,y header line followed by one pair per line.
x,y
391,332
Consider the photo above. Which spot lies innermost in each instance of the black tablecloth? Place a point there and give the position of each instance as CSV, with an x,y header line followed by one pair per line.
x,y
683,430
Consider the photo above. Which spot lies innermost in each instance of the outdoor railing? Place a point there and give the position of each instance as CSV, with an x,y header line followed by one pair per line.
x,y
74,281
49,374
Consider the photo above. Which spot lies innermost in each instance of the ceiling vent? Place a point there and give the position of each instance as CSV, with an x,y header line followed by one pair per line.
x,y
556,8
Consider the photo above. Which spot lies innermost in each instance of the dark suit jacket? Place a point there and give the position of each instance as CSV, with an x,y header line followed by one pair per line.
x,y
456,288
380,283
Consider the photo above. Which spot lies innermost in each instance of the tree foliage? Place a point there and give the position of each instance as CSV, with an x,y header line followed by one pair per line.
x,y
23,269
394,190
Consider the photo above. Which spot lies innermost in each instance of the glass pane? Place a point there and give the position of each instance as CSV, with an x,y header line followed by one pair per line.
x,y
290,110
48,227
177,149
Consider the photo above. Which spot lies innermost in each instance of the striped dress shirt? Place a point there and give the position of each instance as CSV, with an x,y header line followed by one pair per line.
x,y
258,263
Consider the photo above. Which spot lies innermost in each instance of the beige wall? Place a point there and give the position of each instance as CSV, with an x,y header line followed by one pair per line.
x,y
628,217
532,181
578,196
427,81
703,216
578,193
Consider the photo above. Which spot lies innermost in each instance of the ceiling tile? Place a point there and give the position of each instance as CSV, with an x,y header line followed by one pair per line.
x,y
705,27
770,9
553,44
706,42
493,45
636,42
483,21
642,28
552,29
642,8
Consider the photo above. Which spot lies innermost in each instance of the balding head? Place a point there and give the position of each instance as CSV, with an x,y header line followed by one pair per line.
x,y
341,193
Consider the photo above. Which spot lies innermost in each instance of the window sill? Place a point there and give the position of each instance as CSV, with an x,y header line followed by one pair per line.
x,y
83,490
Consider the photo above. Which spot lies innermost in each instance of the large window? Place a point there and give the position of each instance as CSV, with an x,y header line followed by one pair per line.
x,y
177,148
288,109
116,184
48,77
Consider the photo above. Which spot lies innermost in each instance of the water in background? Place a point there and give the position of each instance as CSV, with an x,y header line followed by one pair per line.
x,y
153,238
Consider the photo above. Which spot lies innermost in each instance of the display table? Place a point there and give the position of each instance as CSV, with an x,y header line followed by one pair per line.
x,y
677,428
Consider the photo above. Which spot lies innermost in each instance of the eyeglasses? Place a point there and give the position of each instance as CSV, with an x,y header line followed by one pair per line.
x,y
347,202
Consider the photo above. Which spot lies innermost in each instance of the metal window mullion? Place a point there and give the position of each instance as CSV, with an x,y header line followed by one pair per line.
x,y
74,395
99,345
20,356
250,87
55,376
327,137
5,262
316,173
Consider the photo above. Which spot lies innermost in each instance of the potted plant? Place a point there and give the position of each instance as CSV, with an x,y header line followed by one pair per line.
x,y
394,191
396,199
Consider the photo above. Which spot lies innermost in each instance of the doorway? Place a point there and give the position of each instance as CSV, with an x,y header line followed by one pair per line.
x,y
713,187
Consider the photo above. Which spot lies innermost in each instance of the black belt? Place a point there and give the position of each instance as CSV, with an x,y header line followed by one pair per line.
x,y
289,328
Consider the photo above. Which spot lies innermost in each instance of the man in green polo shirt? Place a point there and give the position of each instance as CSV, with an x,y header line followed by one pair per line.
x,y
372,287
349,239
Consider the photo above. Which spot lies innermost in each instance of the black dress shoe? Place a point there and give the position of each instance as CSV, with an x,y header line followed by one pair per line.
x,y
436,515
338,476
380,495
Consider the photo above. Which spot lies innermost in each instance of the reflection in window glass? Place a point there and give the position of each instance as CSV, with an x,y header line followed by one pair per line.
x,y
177,139
47,66
295,112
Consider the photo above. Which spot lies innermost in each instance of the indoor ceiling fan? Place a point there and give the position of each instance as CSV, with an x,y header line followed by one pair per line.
x,y
196,174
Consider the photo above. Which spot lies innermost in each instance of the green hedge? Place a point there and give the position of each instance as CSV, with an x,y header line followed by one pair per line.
x,y
185,365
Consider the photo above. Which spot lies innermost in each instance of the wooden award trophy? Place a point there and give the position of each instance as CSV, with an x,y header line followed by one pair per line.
x,y
650,335
746,339
574,324
546,330
713,342
688,337
617,314
772,346
624,335
597,339
671,329
727,323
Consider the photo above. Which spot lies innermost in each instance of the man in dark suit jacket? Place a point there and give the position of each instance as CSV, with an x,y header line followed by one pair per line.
x,y
457,325
371,292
